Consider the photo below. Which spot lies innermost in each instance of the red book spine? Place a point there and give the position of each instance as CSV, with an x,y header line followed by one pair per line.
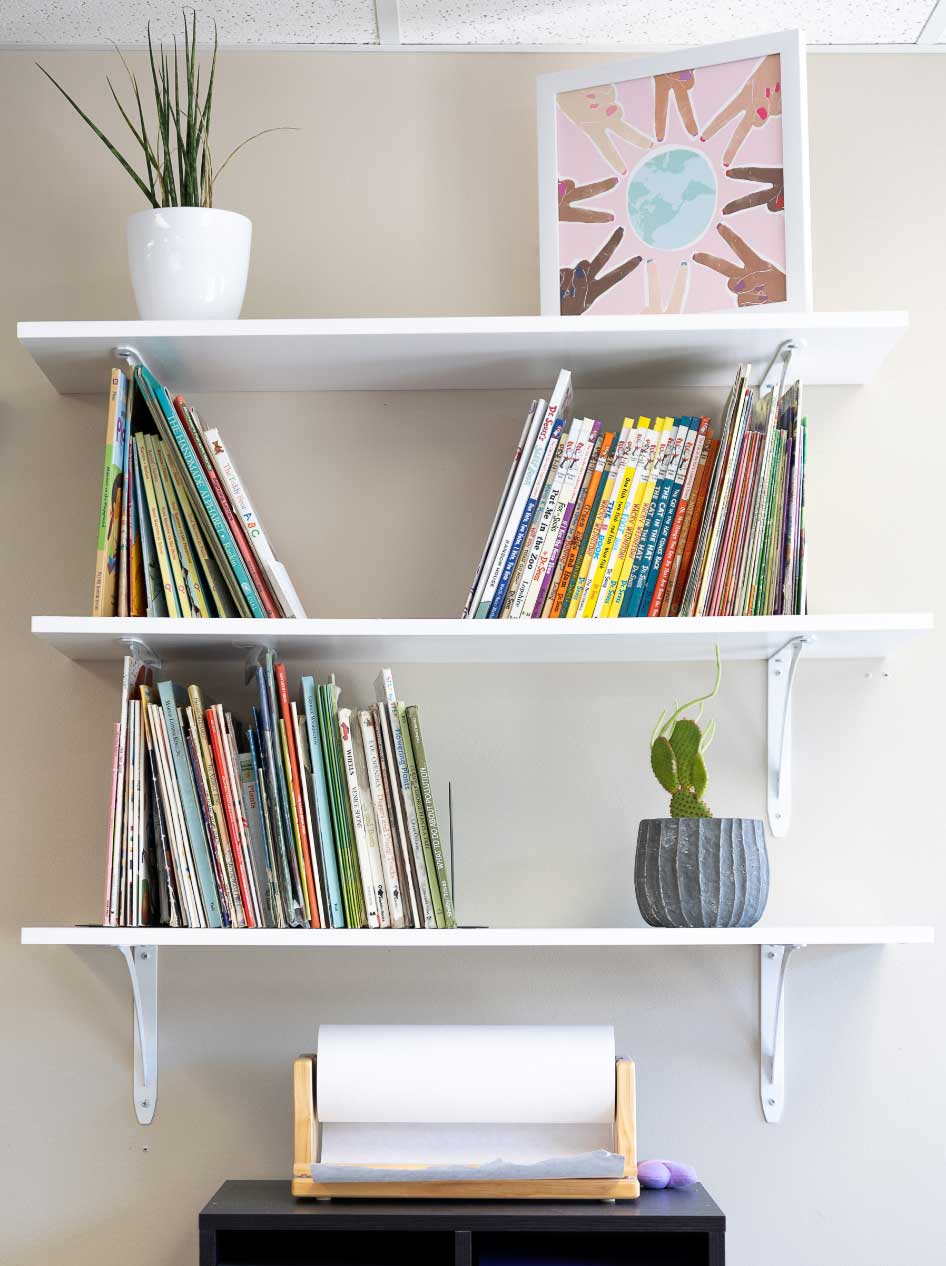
x,y
674,538
229,812
282,686
233,523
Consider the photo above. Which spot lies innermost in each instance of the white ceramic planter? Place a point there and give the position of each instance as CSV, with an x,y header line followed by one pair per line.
x,y
189,263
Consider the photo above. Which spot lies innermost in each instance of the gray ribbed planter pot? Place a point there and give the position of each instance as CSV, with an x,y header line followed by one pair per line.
x,y
701,872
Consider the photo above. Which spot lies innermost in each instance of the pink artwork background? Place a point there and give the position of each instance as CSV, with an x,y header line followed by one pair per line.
x,y
579,160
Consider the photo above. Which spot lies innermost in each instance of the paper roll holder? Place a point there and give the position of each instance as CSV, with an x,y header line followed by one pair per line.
x,y
308,1149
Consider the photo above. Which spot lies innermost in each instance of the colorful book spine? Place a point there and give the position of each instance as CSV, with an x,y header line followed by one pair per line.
x,y
689,465
105,590
596,562
587,516
608,564
677,460
647,540
386,846
558,531
638,502
175,436
556,592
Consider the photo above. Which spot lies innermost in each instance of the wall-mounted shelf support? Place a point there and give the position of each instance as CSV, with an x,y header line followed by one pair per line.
x,y
781,673
142,961
773,965
143,652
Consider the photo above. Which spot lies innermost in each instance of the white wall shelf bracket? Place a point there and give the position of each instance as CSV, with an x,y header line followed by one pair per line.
x,y
142,962
254,657
781,679
143,652
773,965
785,352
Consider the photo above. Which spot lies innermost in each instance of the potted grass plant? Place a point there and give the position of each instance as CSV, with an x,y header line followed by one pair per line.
x,y
188,259
691,869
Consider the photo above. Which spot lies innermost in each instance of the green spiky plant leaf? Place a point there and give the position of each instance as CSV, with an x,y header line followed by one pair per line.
x,y
676,754
663,763
178,168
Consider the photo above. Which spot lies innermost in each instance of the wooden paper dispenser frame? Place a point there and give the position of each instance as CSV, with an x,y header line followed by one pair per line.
x,y
308,1150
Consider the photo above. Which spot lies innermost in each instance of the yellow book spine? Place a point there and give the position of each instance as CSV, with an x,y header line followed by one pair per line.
x,y
575,605
606,562
621,546
662,428
598,561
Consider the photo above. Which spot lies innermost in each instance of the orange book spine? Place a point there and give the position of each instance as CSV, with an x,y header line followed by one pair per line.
x,y
673,540
693,533
583,517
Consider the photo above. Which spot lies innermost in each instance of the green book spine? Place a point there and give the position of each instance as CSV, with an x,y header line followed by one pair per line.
x,y
429,863
430,811
340,808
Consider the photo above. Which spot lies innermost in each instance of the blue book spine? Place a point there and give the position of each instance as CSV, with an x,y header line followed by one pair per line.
x,y
523,527
630,607
323,813
673,496
182,444
172,697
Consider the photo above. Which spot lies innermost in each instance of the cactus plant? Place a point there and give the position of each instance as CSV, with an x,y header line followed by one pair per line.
x,y
677,747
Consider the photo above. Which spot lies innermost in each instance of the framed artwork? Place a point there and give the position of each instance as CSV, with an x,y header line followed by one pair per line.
x,y
677,183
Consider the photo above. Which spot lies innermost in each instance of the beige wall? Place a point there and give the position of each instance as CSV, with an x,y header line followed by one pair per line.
x,y
410,190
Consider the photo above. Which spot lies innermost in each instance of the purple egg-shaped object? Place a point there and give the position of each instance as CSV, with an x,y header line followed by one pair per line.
x,y
680,1175
654,1174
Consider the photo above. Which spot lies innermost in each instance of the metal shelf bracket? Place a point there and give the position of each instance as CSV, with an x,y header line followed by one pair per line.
x,y
142,962
773,965
782,667
143,652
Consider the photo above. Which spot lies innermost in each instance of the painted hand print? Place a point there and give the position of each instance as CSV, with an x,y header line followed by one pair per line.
x,y
757,101
580,286
677,84
600,116
772,196
570,194
754,279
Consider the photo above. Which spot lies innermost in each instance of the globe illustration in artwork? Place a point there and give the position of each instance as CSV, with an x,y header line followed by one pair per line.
x,y
671,198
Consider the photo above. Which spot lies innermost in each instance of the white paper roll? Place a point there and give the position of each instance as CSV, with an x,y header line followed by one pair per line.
x,y
464,1072
466,1094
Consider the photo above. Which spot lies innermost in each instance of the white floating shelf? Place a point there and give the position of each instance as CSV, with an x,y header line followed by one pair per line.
x,y
477,938
464,353
487,641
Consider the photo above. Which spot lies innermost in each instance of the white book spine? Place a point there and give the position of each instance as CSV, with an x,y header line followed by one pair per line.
x,y
240,501
374,901
389,698
501,508
572,469
537,538
375,780
371,826
531,456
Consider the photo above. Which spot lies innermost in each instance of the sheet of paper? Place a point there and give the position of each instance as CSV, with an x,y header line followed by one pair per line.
x,y
429,1094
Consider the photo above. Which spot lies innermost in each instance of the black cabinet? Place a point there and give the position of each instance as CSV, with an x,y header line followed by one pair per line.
x,y
262,1224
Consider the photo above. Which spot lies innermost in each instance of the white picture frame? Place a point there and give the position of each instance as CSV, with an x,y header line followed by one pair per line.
x,y
790,48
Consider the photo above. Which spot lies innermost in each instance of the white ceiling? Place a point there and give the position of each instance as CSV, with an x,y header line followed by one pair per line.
x,y
471,23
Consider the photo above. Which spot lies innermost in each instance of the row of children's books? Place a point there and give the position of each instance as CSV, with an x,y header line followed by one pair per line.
x,y
314,815
178,534
657,518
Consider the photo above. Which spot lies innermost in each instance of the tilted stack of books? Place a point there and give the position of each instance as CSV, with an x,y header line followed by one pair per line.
x,y
314,816
656,518
178,535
